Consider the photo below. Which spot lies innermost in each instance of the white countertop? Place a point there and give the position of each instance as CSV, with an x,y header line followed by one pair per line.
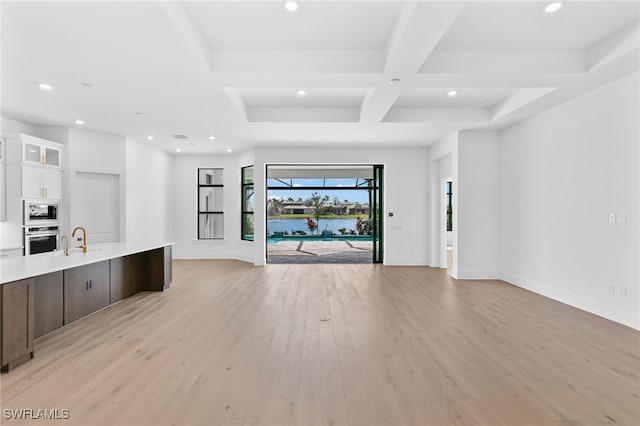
x,y
18,268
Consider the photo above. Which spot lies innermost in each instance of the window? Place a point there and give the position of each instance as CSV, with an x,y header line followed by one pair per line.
x,y
210,210
449,206
248,203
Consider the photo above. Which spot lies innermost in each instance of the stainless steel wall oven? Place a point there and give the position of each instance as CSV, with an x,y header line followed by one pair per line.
x,y
40,239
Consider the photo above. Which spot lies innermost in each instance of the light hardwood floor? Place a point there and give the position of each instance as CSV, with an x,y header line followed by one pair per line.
x,y
234,344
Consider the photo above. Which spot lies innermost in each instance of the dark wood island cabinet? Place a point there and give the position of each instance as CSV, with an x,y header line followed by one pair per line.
x,y
16,323
126,276
35,306
49,303
86,290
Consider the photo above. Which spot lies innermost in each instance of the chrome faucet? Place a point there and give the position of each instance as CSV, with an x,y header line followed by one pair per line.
x,y
84,237
66,244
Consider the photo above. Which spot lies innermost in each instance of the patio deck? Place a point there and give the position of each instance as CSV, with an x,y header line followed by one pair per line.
x,y
320,252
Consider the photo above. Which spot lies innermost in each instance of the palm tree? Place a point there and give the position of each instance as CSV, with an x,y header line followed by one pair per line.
x,y
318,202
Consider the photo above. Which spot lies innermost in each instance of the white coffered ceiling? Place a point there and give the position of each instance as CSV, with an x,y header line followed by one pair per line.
x,y
233,68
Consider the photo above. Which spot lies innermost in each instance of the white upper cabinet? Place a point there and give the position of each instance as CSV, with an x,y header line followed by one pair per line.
x,y
35,166
41,152
31,151
41,183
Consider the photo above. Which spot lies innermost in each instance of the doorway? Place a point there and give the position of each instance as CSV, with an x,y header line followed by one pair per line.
x,y
447,222
98,206
324,213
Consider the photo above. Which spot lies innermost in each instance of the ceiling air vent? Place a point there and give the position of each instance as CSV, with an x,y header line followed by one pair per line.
x,y
180,136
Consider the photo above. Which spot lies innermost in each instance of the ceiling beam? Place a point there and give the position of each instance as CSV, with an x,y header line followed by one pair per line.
x,y
612,48
189,30
296,61
505,62
438,115
417,31
518,100
302,115
237,101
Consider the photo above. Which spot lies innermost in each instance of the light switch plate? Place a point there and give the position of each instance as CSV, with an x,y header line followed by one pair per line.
x,y
612,217
622,218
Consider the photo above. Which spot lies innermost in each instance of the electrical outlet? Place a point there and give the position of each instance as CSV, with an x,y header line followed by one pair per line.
x,y
623,291
612,289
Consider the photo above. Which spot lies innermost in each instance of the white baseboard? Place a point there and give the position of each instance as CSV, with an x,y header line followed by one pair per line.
x,y
405,262
596,307
478,275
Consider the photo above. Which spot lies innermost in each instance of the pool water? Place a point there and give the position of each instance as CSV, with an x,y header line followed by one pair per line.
x,y
274,240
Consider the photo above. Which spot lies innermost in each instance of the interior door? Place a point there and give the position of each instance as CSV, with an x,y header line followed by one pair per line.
x,y
98,206
378,213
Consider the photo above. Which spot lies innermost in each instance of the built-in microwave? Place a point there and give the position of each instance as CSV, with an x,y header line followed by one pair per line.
x,y
41,212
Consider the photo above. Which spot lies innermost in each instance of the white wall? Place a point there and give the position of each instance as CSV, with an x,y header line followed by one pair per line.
x,y
149,193
405,194
94,152
11,232
563,172
185,173
478,187
8,125
443,162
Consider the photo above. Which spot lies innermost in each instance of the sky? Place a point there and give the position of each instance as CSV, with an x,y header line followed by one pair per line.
x,y
359,196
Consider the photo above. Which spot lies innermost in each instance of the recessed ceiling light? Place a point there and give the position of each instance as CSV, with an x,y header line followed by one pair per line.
x,y
150,137
178,150
291,6
301,92
452,93
45,86
553,7
211,138
229,150
394,81
80,122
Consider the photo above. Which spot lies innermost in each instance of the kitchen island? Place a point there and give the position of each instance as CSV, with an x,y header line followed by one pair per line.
x,y
43,292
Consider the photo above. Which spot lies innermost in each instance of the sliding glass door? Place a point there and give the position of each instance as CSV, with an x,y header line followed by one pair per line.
x,y
377,211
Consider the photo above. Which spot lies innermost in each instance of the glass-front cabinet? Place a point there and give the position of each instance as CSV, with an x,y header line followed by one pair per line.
x,y
41,153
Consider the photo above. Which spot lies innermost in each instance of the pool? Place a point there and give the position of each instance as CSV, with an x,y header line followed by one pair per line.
x,y
274,240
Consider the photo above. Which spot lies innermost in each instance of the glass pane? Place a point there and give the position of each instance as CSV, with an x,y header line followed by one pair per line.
x,y
248,198
247,227
377,210
210,176
247,175
211,226
31,153
53,156
279,183
210,199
